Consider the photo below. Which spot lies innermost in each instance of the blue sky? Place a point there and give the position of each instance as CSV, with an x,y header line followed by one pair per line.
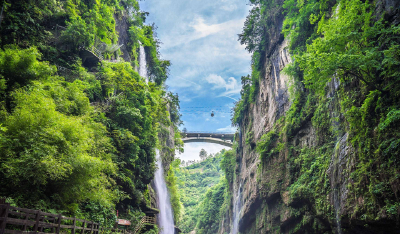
x,y
200,39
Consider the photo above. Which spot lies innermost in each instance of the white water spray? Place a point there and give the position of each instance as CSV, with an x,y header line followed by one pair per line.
x,y
143,63
165,217
236,211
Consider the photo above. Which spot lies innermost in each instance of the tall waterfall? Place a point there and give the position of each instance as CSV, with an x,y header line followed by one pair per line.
x,y
143,63
237,206
165,217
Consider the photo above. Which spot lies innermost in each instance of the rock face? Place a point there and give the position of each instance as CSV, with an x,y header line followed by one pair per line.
x,y
266,206
122,28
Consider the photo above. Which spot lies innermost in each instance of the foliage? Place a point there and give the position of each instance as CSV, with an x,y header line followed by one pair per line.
x,y
52,146
172,183
158,68
250,85
194,181
312,182
228,164
209,209
265,146
203,154
256,30
77,34
354,46
360,50
301,19
83,143
24,21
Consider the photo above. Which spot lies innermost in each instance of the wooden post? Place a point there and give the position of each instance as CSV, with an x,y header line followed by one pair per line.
x,y
83,226
26,218
54,222
73,226
36,227
92,226
41,227
88,226
3,216
59,224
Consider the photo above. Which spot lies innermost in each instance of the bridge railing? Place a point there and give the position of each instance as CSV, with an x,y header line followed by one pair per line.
x,y
208,132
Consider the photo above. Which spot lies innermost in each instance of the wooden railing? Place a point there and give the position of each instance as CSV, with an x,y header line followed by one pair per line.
x,y
145,220
22,220
96,52
14,220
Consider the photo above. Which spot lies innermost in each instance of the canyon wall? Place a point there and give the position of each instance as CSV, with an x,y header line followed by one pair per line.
x,y
266,203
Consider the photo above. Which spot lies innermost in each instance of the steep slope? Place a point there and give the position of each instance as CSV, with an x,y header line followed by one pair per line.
x,y
78,125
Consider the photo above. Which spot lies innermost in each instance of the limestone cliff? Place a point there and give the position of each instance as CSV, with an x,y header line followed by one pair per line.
x,y
265,203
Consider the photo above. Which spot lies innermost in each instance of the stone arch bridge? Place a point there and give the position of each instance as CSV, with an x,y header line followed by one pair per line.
x,y
222,138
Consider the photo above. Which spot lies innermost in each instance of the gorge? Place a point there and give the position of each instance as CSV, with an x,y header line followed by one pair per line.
x,y
311,155
91,117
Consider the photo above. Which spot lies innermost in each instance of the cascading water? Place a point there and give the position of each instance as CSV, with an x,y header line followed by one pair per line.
x,y
336,184
143,63
337,210
237,206
336,175
165,217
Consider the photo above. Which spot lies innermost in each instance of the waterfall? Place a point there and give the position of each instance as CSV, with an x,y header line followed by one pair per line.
x,y
236,211
336,198
165,217
336,183
143,63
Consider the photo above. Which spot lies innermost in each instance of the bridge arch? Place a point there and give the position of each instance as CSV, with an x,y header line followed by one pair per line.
x,y
225,139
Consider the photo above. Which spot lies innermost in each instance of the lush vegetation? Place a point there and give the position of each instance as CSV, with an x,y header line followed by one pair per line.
x,y
345,79
80,139
173,188
204,192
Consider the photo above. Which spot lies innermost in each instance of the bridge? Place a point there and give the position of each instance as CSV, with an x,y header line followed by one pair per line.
x,y
222,138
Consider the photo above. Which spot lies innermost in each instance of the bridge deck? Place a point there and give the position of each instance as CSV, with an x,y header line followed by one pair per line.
x,y
225,139
225,136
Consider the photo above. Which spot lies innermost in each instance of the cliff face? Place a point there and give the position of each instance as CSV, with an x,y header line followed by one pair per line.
x,y
122,28
166,134
265,203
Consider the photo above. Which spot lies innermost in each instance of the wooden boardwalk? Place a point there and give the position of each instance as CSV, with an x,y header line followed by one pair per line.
x,y
143,222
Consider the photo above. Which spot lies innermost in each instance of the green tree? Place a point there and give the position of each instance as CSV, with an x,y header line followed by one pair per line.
x,y
203,154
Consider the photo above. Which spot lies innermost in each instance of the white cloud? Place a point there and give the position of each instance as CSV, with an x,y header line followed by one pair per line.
x,y
228,128
198,29
219,82
203,29
231,85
